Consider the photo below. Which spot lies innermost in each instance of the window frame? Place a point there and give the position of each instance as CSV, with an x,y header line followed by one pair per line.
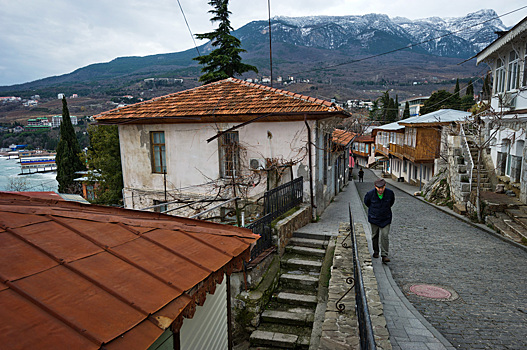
x,y
227,156
158,152
513,71
500,76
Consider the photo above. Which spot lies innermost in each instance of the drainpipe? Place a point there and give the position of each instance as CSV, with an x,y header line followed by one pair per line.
x,y
313,207
229,313
420,176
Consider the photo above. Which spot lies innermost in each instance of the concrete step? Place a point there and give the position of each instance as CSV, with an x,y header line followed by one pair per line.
x,y
321,236
309,243
299,281
299,317
515,227
274,339
301,264
502,228
297,299
306,250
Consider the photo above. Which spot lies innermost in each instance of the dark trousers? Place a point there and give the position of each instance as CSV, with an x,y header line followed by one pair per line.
x,y
380,235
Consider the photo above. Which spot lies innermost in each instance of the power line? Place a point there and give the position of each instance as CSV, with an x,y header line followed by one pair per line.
x,y
409,45
190,31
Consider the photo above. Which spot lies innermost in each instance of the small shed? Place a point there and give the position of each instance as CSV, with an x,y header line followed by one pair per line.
x,y
78,276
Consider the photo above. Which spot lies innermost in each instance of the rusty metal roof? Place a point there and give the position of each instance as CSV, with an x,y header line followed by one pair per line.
x,y
76,276
229,100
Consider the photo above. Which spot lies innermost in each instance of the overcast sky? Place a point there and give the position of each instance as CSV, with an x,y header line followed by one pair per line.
x,y
42,38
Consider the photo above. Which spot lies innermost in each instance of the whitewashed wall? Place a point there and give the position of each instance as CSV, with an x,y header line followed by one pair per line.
x,y
192,162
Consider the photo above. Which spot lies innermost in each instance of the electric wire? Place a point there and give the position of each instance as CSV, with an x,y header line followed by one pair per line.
x,y
188,26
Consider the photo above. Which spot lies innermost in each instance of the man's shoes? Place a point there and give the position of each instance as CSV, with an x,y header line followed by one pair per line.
x,y
375,254
385,259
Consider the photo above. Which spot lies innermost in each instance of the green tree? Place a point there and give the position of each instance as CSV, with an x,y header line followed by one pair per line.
x,y
391,111
487,89
455,101
406,113
68,157
438,100
375,112
470,89
104,158
224,61
467,102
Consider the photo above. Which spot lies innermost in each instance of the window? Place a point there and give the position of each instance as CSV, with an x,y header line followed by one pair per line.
x,y
514,71
158,152
229,154
161,206
500,76
525,67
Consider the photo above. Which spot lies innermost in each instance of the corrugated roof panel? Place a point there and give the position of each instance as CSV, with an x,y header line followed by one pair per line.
x,y
108,234
163,263
43,331
58,241
190,248
232,246
3,286
138,338
28,260
127,281
80,302
14,220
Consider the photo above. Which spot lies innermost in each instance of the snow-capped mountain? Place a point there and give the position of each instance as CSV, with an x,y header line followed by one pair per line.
x,y
374,33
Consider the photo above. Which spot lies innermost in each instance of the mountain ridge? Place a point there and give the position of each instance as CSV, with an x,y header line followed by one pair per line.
x,y
306,44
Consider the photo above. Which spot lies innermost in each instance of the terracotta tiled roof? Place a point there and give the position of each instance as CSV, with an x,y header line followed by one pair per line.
x,y
75,276
342,137
223,101
365,138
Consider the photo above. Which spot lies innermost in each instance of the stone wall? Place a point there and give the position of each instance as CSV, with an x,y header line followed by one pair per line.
x,y
458,170
283,230
340,329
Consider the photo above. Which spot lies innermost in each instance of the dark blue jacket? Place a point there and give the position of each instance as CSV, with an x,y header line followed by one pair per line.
x,y
379,210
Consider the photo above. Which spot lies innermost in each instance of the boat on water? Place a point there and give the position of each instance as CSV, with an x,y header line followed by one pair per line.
x,y
37,164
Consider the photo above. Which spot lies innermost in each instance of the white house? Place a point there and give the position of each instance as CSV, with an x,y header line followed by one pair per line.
x,y
507,120
223,140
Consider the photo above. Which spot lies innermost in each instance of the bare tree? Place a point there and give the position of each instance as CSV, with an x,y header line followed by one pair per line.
x,y
17,184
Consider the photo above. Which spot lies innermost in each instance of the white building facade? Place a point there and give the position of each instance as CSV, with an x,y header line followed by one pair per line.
x,y
507,120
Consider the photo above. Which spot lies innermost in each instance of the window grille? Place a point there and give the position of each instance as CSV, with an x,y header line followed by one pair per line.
x,y
229,154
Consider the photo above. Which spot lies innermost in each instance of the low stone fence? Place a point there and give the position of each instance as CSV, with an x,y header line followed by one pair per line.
x,y
340,329
284,229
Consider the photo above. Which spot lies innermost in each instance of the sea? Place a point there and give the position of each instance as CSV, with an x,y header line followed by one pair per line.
x,y
37,182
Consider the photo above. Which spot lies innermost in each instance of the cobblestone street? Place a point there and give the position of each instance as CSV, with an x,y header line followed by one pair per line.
x,y
429,246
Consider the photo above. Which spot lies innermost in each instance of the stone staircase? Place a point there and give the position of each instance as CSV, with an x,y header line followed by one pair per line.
x,y
485,183
287,321
511,223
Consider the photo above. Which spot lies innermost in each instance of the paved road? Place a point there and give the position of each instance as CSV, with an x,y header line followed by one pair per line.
x,y
428,246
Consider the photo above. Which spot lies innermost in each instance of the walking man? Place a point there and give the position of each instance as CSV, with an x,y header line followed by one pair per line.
x,y
361,175
379,202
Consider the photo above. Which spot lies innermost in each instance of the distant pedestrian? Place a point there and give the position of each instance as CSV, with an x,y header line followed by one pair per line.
x,y
361,175
379,202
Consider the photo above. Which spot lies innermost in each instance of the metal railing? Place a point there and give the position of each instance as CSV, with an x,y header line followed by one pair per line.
x,y
367,340
284,197
466,151
276,202
262,227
